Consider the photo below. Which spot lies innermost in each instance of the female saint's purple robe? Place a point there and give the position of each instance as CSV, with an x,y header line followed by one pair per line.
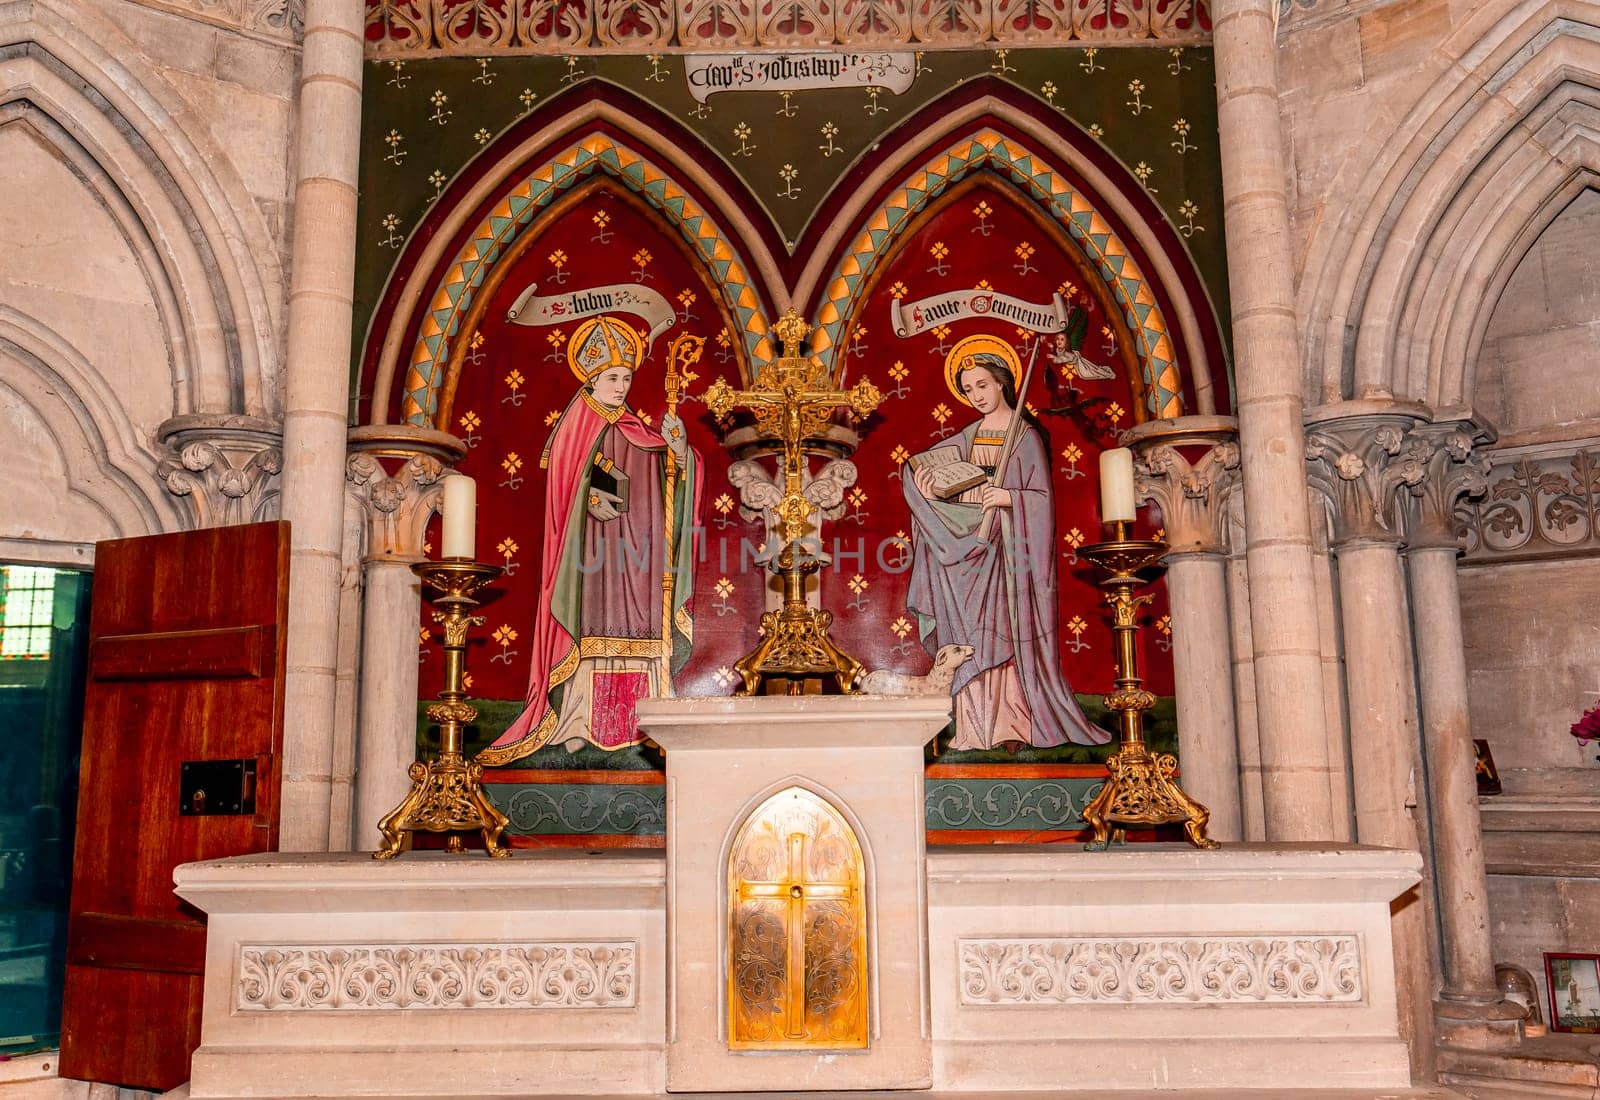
x,y
998,596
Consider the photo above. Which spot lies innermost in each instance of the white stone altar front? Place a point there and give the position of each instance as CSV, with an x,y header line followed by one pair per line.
x,y
1019,968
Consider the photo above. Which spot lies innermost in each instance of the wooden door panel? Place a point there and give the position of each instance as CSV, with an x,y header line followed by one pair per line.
x,y
185,660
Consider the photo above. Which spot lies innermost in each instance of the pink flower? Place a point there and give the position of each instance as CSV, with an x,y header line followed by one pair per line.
x,y
1587,728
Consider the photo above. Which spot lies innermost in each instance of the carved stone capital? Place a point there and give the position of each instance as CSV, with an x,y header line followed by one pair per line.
x,y
226,466
1189,474
1361,464
398,505
1455,472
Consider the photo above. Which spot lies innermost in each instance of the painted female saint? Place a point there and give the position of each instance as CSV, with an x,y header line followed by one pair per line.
x,y
992,585
620,521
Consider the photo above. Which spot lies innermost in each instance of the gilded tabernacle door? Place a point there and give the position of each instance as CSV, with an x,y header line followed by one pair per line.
x,y
797,929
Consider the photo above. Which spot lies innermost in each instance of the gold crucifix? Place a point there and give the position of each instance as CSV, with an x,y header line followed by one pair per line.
x,y
793,399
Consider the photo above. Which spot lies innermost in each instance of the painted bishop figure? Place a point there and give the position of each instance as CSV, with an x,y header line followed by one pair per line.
x,y
620,529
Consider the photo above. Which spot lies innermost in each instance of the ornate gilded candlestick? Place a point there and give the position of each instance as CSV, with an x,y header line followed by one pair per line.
x,y
447,795
1140,789
793,399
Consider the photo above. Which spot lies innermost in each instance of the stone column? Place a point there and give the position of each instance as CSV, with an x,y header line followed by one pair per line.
x,y
1360,458
317,392
398,508
225,464
1186,465
1269,401
1470,1011
1251,801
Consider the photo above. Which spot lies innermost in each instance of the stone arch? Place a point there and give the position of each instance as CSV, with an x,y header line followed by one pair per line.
x,y
524,175
971,144
74,79
1397,294
106,467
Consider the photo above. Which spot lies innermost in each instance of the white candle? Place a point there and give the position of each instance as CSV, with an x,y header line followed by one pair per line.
x,y
1116,486
460,514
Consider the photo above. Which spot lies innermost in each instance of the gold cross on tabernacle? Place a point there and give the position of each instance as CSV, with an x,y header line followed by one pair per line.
x,y
796,889
793,399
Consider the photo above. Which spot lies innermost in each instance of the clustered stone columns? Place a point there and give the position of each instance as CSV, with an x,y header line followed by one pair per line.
x,y
1187,465
317,393
1360,456
1284,631
1470,1011
398,507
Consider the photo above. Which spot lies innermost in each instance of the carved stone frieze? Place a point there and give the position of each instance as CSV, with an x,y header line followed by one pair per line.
x,y
1454,472
225,465
1539,502
1190,492
410,27
451,976
398,506
1361,464
281,19
1178,970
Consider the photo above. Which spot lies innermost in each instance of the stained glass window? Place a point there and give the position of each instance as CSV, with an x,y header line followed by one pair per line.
x,y
27,602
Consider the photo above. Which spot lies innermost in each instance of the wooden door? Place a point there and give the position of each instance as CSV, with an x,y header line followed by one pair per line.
x,y
186,643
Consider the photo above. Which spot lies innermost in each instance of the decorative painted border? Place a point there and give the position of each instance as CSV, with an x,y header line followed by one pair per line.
x,y
1292,969
365,977
411,27
516,211
988,148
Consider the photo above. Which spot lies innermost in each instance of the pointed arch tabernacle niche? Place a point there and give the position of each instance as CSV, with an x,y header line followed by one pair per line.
x,y
797,928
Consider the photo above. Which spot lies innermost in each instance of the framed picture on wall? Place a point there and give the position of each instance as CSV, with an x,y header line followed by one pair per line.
x,y
1574,983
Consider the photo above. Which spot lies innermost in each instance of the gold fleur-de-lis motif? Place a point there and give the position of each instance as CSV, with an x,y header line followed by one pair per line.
x,y
507,548
484,77
512,465
982,211
558,261
1076,626
900,627
899,455
686,299
1023,252
788,174
858,586
1072,453
788,109
1189,212
1048,90
503,636
940,333
642,260
921,68
601,220
984,284
1175,65
898,375
390,224
398,79
939,252
723,587
898,289
437,179
872,107
1181,128
466,680
1137,104
394,140
829,131
1088,63
513,381
1116,412
999,65
1097,131
475,348
725,676
441,113
701,110
469,423
1067,289
741,134
551,417
481,136
941,413
658,75
526,98
1142,172
572,72
1164,633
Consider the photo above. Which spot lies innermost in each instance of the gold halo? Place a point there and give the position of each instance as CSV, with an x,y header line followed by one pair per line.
x,y
971,345
580,335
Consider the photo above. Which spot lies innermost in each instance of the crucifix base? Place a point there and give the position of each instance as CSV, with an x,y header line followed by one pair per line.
x,y
796,873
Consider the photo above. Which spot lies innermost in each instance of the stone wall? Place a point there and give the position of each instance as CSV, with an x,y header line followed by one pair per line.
x,y
144,221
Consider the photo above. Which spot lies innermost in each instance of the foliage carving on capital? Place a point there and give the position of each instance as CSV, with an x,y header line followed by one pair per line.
x,y
1454,473
1190,494
398,505
227,467
1361,466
